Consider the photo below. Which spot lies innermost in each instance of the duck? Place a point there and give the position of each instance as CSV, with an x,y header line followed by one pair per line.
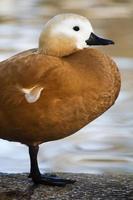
x,y
52,91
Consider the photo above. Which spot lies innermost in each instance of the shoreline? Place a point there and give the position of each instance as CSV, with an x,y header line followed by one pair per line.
x,y
87,187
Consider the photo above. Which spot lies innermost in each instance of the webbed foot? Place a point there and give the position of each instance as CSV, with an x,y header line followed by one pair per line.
x,y
52,180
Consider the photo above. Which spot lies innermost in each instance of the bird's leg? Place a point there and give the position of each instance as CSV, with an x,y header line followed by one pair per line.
x,y
34,169
46,178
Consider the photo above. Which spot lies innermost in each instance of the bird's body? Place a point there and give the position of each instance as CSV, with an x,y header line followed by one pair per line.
x,y
76,90
53,91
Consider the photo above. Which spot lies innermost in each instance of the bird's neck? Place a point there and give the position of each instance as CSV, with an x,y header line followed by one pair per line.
x,y
57,46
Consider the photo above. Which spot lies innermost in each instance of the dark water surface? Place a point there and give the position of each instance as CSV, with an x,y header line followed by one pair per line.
x,y
105,145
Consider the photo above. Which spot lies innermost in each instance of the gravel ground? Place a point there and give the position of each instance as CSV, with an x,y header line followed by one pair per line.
x,y
87,187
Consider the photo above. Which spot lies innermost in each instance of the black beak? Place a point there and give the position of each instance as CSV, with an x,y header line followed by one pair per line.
x,y
95,40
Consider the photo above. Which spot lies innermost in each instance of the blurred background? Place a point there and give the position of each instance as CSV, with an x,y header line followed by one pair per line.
x,y
105,145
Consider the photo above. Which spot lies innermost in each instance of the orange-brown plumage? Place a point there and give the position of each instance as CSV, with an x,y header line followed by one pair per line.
x,y
53,91
77,89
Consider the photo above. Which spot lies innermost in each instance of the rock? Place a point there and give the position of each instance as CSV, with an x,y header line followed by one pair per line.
x,y
87,187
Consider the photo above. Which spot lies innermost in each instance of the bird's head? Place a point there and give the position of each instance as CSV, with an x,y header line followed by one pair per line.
x,y
65,34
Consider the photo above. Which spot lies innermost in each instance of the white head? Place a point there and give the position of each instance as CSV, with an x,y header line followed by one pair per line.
x,y
67,33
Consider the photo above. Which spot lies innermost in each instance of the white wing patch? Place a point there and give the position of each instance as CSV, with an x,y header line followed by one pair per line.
x,y
32,94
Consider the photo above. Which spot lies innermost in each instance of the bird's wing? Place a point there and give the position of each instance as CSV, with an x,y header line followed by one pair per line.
x,y
24,74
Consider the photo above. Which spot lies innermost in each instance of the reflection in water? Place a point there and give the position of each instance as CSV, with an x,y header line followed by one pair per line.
x,y
105,145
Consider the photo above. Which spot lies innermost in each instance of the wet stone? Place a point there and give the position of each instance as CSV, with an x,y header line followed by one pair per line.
x,y
87,187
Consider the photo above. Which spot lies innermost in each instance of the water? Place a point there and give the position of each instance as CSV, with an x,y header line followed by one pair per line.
x,y
105,145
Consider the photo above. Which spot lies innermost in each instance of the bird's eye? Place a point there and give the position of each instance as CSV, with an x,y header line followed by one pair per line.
x,y
76,28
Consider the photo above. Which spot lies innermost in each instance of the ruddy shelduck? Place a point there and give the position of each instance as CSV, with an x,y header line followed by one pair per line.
x,y
53,91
